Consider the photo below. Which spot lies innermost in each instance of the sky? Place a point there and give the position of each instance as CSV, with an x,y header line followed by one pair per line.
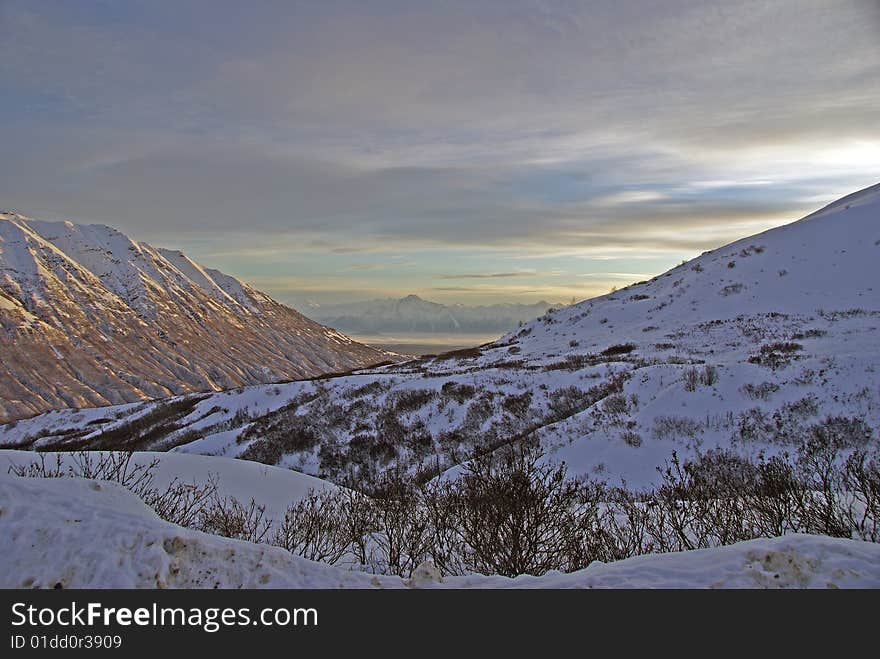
x,y
468,151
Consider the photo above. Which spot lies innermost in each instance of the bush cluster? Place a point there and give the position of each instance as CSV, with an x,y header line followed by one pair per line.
x,y
514,512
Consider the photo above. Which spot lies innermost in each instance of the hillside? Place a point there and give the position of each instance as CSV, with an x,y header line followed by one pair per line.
x,y
748,347
89,317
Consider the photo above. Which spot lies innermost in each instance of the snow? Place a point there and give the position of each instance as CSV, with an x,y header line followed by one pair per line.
x,y
195,273
6,303
88,534
272,487
794,561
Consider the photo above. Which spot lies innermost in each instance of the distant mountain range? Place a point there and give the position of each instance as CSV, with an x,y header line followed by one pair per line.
x,y
90,317
414,314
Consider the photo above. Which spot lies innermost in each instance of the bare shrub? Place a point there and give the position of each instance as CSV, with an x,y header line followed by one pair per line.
x,y
676,427
731,289
709,375
179,503
860,481
842,432
518,404
115,466
691,379
325,525
368,389
754,425
447,547
698,503
286,434
615,404
459,392
411,400
816,467
778,495
618,349
465,353
811,333
572,363
230,518
761,391
403,539
516,515
567,401
144,431
776,355
786,347
512,512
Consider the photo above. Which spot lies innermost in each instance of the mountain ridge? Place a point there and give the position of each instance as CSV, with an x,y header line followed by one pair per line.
x,y
89,316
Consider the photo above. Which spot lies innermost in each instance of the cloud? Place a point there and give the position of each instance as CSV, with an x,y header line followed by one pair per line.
x,y
365,267
493,275
627,197
631,276
348,250
607,129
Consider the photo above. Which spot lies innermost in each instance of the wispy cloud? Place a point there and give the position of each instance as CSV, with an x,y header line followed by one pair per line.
x,y
626,197
632,276
365,267
493,275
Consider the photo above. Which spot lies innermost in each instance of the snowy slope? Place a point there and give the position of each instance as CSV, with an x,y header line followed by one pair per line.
x,y
90,317
74,533
746,347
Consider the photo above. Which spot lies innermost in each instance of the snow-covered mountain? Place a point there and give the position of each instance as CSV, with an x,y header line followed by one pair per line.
x,y
90,317
746,347
414,314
